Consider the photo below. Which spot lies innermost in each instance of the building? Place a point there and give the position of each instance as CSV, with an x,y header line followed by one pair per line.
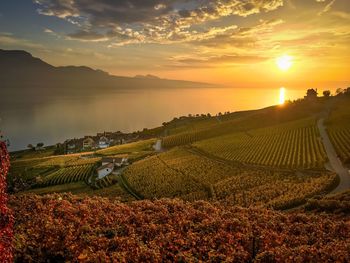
x,y
103,142
70,146
88,143
117,161
105,170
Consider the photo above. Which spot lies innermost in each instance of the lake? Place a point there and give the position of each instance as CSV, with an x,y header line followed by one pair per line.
x,y
51,120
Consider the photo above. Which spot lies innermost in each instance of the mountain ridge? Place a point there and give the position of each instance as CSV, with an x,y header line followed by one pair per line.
x,y
19,69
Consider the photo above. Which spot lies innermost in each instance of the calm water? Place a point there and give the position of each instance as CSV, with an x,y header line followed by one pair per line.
x,y
51,120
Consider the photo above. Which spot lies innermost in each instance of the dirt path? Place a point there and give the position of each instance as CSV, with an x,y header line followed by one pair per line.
x,y
124,184
334,162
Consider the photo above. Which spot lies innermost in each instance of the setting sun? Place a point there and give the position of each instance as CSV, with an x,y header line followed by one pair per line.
x,y
284,62
282,96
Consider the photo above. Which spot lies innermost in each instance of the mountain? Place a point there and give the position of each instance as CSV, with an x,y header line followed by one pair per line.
x,y
20,71
148,76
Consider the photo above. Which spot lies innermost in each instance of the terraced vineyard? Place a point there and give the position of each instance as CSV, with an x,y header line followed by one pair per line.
x,y
253,120
336,203
180,173
152,178
81,161
68,175
114,191
291,145
61,160
338,127
205,133
340,138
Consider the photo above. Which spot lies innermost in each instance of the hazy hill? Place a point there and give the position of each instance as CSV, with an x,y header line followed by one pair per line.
x,y
19,70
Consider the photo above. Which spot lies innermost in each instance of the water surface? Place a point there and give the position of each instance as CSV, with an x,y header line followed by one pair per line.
x,y
51,120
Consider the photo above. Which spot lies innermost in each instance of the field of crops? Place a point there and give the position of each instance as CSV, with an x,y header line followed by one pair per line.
x,y
340,138
68,175
244,122
291,145
82,161
202,133
338,127
66,228
61,160
116,192
152,178
335,204
180,173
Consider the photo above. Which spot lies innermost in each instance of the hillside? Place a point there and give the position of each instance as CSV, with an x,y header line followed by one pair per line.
x,y
233,156
249,186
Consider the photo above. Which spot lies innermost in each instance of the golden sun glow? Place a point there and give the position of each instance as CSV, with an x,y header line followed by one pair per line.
x,y
284,62
282,96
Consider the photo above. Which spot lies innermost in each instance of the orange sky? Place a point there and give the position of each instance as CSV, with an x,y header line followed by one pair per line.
x,y
234,43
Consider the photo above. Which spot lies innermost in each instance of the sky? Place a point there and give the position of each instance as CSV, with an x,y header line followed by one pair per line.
x,y
229,42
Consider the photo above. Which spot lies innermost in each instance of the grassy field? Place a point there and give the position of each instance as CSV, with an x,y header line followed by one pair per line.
x,y
133,149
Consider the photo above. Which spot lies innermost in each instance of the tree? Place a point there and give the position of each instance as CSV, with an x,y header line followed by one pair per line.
x,y
40,144
326,93
347,91
30,146
339,91
311,94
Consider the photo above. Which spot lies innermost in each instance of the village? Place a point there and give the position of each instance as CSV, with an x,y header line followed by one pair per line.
x,y
98,141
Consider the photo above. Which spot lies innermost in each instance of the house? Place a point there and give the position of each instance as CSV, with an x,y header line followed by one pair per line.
x,y
105,170
103,142
88,143
117,161
70,146
39,148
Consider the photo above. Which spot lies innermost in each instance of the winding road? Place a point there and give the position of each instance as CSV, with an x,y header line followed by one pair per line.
x,y
334,162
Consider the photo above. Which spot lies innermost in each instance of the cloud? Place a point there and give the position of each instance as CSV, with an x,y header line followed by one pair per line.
x,y
342,15
7,39
240,36
147,21
49,31
327,7
213,60
87,36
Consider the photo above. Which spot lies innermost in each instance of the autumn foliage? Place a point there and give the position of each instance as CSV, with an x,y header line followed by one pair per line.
x,y
6,219
61,228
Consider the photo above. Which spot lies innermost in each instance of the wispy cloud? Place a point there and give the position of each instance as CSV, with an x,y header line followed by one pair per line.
x,y
213,60
327,7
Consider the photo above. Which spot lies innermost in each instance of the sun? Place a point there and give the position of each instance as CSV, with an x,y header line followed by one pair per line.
x,y
284,62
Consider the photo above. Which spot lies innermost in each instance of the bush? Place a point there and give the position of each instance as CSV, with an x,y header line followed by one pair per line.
x,y
6,218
